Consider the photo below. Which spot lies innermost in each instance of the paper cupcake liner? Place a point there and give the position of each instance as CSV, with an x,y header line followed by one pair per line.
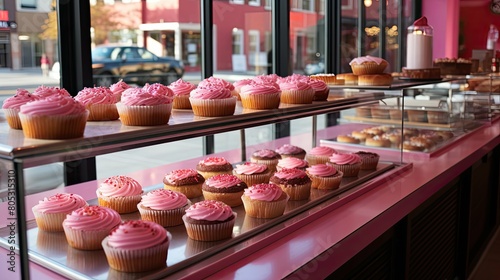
x,y
297,192
326,183
12,116
210,232
190,191
49,221
181,102
368,163
297,96
231,199
144,115
102,112
54,127
313,160
254,179
270,163
368,68
213,107
265,209
121,204
165,218
349,170
260,101
139,260
85,239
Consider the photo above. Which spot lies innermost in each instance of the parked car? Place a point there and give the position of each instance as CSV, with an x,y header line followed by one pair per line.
x,y
135,65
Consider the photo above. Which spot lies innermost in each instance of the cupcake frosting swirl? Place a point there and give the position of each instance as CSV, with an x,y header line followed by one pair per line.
x,y
265,153
181,87
322,170
214,161
259,88
264,192
212,92
249,168
213,81
290,173
43,92
292,162
317,85
223,181
288,149
93,218
120,186
368,58
180,174
345,158
21,97
140,97
61,203
209,210
162,199
53,105
137,234
158,89
119,87
95,95
322,151
295,85
240,83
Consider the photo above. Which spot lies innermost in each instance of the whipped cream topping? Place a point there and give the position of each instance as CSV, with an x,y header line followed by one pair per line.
x,y
53,105
92,218
214,161
137,234
209,210
322,170
266,153
180,174
162,199
341,159
43,92
290,173
140,97
322,151
368,58
21,97
61,203
264,192
223,181
181,87
120,185
95,95
249,168
288,149
292,162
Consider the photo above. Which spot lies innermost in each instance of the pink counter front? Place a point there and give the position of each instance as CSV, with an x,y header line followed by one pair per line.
x,y
316,243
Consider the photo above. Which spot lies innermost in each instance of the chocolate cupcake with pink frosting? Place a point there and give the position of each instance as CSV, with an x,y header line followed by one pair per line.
x,y
252,173
265,201
224,187
321,89
294,182
319,154
288,150
100,103
120,193
11,107
185,181
164,207
181,90
209,220
349,164
212,166
137,246
51,211
266,156
212,99
324,176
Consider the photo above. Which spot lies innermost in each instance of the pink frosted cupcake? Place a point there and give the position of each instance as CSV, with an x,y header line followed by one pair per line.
x,y
54,117
239,84
121,193
366,65
145,106
209,220
369,160
349,164
321,89
185,181
100,103
42,92
267,157
212,100
292,162
320,154
117,89
264,201
181,90
51,211
164,207
212,166
12,105
252,173
260,96
324,176
224,187
288,150
294,182
212,81
296,92
86,227
137,246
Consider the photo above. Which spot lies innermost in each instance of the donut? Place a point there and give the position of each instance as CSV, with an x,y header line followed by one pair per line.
x,y
347,139
395,138
360,135
409,146
377,141
422,141
375,80
373,131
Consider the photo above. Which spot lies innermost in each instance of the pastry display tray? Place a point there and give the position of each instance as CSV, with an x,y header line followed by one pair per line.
x,y
51,250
